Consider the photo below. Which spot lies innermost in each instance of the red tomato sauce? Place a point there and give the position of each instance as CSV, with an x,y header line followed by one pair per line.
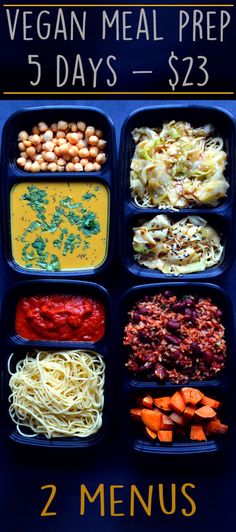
x,y
60,317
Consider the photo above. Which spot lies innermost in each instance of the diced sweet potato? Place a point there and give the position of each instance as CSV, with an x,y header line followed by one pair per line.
x,y
207,401
151,434
189,412
177,403
215,427
151,418
163,403
165,435
147,401
136,414
177,418
166,423
191,396
205,412
197,433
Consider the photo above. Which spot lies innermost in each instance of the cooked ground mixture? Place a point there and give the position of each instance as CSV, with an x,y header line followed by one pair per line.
x,y
175,338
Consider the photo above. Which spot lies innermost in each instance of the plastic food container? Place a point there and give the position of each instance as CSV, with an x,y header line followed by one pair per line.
x,y
220,217
19,346
134,386
12,176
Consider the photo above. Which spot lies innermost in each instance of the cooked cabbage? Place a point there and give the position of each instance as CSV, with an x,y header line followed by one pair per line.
x,y
177,166
189,245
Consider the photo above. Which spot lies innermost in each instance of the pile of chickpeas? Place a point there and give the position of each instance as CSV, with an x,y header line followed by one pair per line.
x,y
62,147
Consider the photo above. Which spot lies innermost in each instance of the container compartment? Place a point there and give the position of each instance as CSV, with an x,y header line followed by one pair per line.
x,y
140,443
50,287
62,442
218,296
219,222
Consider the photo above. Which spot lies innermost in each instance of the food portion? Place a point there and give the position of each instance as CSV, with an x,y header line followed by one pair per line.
x,y
57,394
61,147
187,414
175,338
177,166
59,226
60,317
186,246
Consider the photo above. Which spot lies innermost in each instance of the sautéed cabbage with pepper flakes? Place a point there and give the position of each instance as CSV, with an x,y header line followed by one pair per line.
x,y
59,226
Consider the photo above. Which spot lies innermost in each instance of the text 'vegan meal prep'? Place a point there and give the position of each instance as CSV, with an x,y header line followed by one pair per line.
x,y
175,338
177,166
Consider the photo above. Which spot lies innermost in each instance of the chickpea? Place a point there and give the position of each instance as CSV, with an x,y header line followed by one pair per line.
x,y
27,166
84,153
35,130
83,162
61,162
61,141
75,160
39,158
74,138
23,135
73,127
89,131
80,144
42,127
52,167
101,158
93,152
35,140
44,166
21,146
80,135
93,140
48,135
54,140
60,134
68,135
39,148
81,126
89,167
27,143
101,144
53,127
62,125
66,157
96,167
50,156
35,167
24,154
48,146
60,168
99,133
70,167
31,152
73,152
78,167
57,151
21,161
63,149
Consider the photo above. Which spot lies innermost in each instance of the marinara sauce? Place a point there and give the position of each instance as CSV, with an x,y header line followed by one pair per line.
x,y
60,317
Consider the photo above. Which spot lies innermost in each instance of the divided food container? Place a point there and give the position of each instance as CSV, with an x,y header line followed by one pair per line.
x,y
221,217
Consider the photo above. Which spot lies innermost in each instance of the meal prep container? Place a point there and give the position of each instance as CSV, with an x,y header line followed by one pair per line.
x,y
19,346
134,386
220,217
12,175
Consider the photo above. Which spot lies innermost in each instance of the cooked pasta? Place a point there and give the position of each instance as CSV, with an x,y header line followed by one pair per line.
x,y
58,394
186,246
177,166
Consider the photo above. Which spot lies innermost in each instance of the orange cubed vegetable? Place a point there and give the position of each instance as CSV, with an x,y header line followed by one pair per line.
x,y
151,418
165,436
166,423
136,414
197,433
205,412
189,412
152,435
147,401
177,403
191,396
207,401
177,418
163,403
215,427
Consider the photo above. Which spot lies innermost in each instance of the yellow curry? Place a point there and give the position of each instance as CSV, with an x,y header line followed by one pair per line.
x,y
59,226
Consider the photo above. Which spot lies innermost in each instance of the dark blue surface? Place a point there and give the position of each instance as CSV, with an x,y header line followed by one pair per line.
x,y
24,470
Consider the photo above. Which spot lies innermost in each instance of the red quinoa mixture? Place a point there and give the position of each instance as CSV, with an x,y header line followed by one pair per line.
x,y
175,338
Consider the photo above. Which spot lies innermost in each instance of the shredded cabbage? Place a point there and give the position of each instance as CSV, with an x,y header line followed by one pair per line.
x,y
177,166
189,245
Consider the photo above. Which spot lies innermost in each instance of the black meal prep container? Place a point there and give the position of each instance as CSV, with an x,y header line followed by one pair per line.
x,y
220,217
12,174
19,346
136,386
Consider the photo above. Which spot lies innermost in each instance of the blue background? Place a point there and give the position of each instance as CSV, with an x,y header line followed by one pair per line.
x,y
24,471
